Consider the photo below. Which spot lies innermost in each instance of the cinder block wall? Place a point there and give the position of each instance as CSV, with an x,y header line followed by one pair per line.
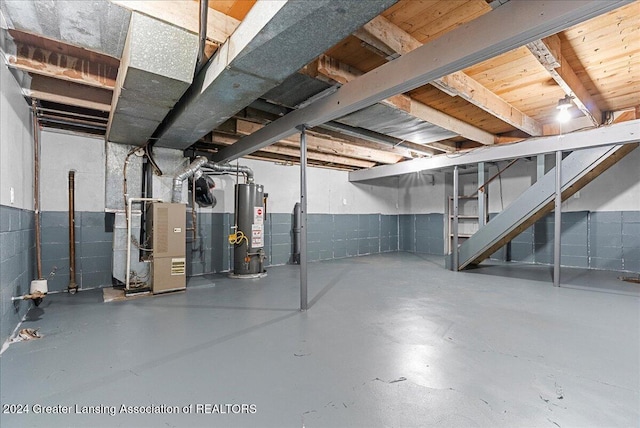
x,y
608,240
17,248
600,225
93,242
422,233
85,155
17,267
330,236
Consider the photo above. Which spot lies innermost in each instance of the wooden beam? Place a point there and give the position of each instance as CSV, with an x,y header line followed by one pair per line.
x,y
342,73
390,38
44,62
207,147
63,92
548,52
279,149
469,89
519,22
325,145
403,149
184,14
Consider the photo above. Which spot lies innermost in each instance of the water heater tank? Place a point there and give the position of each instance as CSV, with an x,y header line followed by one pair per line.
x,y
248,254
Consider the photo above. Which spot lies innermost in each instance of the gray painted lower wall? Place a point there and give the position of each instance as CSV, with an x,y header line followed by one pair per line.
x,y
330,236
595,240
598,240
210,251
94,243
17,267
422,233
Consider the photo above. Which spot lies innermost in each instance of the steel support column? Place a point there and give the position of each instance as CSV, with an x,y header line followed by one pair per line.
x,y
557,221
619,133
303,219
539,167
482,196
454,222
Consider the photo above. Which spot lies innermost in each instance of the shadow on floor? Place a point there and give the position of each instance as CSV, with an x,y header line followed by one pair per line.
x,y
576,278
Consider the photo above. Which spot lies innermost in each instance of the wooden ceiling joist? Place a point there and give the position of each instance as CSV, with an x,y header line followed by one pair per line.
x,y
391,39
324,145
69,93
549,52
279,149
44,62
342,73
403,149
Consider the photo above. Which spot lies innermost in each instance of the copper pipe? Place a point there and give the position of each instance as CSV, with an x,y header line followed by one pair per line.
x,y
36,186
72,233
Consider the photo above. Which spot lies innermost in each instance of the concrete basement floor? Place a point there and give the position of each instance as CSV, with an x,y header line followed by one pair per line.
x,y
389,340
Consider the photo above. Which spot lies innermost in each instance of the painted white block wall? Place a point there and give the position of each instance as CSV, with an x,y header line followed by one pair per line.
x,y
511,183
62,152
16,144
421,193
617,189
329,191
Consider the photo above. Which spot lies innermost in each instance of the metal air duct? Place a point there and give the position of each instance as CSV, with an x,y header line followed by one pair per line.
x,y
274,40
156,69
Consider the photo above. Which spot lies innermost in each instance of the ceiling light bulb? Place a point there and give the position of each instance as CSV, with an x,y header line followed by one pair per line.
x,y
563,115
563,106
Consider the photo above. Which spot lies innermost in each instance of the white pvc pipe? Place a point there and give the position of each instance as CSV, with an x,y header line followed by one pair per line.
x,y
129,202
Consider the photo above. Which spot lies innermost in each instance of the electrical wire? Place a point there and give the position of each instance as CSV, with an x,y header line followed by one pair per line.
x,y
237,238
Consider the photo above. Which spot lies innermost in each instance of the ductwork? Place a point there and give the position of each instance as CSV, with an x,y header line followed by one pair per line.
x,y
188,171
248,172
97,25
275,40
157,67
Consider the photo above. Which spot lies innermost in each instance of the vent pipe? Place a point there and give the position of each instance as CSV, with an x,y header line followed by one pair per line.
x,y
72,233
204,8
188,171
225,167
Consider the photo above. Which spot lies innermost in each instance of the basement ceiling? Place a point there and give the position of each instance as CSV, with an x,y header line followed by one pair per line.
x,y
127,70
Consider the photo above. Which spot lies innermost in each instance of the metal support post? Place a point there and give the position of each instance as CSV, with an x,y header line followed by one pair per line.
x,y
539,167
558,221
482,196
303,219
456,185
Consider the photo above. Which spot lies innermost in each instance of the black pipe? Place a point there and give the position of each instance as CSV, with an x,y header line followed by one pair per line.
x,y
297,212
72,233
204,8
147,190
